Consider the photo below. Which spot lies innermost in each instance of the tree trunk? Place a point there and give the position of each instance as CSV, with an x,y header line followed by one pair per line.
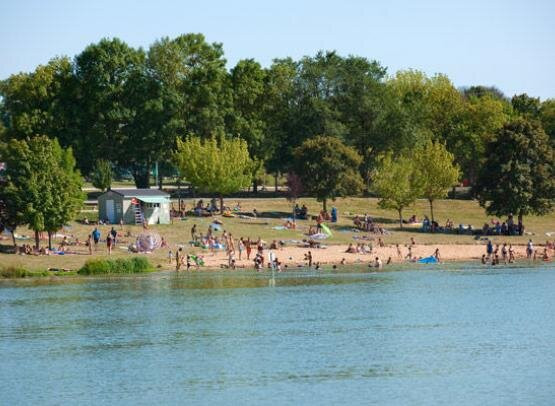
x,y
179,195
221,204
400,218
141,176
325,204
276,182
37,242
255,186
432,208
50,240
14,241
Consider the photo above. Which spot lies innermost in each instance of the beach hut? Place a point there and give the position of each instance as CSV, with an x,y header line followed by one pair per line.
x,y
134,206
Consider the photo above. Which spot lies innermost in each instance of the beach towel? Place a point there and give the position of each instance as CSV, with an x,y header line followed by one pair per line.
x,y
327,230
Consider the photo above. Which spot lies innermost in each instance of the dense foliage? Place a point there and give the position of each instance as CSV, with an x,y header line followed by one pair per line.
x,y
215,165
397,182
328,168
115,266
518,176
131,106
41,186
101,176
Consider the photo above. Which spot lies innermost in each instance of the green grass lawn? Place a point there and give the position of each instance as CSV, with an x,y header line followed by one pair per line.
x,y
273,212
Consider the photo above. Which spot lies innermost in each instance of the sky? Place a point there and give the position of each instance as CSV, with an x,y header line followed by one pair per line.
x,y
504,43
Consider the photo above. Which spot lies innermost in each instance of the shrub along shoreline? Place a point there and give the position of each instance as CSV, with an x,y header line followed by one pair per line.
x,y
121,266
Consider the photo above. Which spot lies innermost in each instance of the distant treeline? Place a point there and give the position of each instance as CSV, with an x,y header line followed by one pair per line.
x,y
129,106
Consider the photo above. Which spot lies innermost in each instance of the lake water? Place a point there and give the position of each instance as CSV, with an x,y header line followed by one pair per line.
x,y
455,335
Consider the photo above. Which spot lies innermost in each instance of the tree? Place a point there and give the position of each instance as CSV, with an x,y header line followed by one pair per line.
x,y
519,173
396,182
215,165
526,106
547,116
37,102
194,73
101,176
480,119
41,186
328,168
104,72
66,191
248,85
481,91
436,170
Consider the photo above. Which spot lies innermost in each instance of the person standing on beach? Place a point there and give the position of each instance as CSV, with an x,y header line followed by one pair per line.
x,y
109,243
241,247
309,259
89,244
178,258
114,234
409,255
489,248
96,237
529,249
249,248
193,232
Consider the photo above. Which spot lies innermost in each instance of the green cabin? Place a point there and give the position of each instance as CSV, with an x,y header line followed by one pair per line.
x,y
134,206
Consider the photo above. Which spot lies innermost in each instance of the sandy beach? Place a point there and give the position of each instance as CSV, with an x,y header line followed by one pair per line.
x,y
334,254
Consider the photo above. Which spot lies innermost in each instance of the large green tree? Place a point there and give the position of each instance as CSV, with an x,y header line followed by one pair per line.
x,y
40,102
519,173
217,165
328,168
396,182
547,117
41,186
437,171
193,72
104,71
248,82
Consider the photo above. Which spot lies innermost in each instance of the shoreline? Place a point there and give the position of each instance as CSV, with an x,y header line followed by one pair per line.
x,y
335,254
293,258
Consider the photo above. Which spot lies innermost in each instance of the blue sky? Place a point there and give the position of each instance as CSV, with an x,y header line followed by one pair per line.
x,y
509,44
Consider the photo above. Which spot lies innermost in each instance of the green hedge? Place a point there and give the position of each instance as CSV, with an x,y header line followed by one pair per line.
x,y
117,266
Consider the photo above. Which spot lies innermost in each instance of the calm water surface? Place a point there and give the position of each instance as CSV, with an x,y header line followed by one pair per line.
x,y
456,335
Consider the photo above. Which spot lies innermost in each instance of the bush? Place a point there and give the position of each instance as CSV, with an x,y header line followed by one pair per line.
x,y
14,272
118,266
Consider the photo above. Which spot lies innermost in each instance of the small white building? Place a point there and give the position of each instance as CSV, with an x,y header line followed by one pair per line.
x,y
134,206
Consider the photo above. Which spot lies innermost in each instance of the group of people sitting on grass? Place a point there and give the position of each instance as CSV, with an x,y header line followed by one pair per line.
x,y
301,212
507,227
366,223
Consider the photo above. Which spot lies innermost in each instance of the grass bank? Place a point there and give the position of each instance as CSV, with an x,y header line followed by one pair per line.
x,y
267,226
123,266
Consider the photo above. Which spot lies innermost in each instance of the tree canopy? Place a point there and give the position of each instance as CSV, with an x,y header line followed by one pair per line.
x,y
328,168
217,165
436,170
129,106
518,176
41,186
397,183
